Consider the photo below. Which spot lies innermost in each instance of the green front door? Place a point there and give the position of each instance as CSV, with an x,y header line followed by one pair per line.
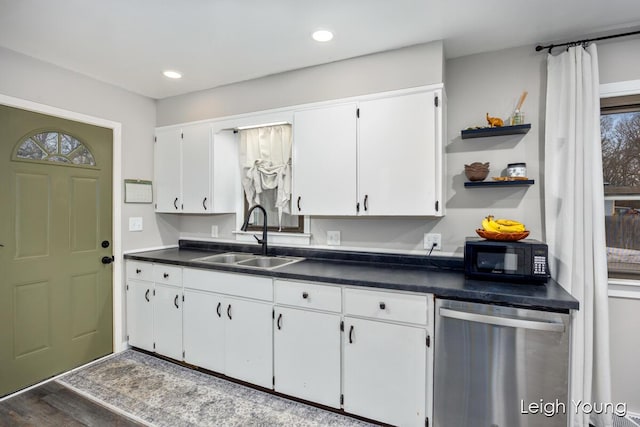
x,y
55,213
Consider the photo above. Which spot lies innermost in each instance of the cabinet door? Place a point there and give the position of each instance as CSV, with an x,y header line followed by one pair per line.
x,y
196,168
324,161
167,171
140,314
307,355
248,341
167,320
203,330
398,159
385,371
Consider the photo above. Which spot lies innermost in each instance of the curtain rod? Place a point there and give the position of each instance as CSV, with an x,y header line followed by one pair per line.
x,y
579,42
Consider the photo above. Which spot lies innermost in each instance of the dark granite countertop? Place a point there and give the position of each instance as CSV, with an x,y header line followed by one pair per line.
x,y
441,276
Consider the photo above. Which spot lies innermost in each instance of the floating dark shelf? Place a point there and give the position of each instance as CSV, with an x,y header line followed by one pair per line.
x,y
497,131
521,183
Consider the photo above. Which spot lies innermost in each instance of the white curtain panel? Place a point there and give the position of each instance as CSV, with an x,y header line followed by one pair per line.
x,y
265,158
574,220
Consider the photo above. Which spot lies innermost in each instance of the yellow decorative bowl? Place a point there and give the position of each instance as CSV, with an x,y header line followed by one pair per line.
x,y
496,235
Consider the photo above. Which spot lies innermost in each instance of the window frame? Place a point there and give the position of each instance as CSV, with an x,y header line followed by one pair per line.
x,y
45,161
610,97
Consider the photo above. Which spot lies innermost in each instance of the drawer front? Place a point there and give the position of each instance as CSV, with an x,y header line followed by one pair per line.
x,y
167,274
140,270
240,285
308,295
386,305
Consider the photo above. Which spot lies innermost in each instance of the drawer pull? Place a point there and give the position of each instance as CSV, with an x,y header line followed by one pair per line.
x,y
138,271
279,322
382,306
218,309
351,335
305,295
166,275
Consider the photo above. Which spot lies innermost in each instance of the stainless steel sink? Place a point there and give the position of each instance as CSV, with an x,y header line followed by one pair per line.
x,y
268,262
248,260
226,258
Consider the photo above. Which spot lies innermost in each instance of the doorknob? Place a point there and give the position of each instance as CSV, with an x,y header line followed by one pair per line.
x,y
108,259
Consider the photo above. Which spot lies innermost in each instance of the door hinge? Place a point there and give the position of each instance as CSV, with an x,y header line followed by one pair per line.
x,y
342,325
154,346
342,399
181,206
155,139
426,422
156,206
436,101
182,297
437,205
273,313
357,112
428,341
127,286
127,338
183,354
154,292
181,135
273,380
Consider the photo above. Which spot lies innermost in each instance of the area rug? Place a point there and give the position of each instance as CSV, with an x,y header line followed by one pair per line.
x,y
162,393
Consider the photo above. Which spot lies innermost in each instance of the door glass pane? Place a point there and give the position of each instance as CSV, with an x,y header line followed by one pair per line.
x,y
30,150
56,148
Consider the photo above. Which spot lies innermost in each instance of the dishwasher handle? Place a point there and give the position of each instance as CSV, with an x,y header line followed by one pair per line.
x,y
503,321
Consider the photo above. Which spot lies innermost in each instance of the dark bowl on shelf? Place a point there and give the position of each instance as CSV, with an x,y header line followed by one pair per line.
x,y
476,171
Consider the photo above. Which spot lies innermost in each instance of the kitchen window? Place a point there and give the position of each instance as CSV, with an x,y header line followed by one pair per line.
x,y
620,134
265,155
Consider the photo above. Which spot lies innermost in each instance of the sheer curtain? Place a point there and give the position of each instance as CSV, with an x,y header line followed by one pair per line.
x,y
265,157
574,218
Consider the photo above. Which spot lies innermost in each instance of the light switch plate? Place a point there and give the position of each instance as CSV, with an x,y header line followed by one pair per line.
x,y
333,238
135,223
214,231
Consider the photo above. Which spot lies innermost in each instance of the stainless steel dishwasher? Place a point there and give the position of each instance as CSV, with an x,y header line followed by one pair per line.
x,y
499,366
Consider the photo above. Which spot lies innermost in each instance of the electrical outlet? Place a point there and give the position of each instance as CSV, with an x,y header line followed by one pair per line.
x,y
433,238
333,238
135,223
214,231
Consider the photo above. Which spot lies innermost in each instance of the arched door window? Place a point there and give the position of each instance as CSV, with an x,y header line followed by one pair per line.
x,y
54,147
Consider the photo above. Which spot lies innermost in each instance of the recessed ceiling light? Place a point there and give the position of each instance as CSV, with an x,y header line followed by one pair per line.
x,y
322,35
172,74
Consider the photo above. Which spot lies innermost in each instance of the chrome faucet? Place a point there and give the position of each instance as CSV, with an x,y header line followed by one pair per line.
x,y
262,241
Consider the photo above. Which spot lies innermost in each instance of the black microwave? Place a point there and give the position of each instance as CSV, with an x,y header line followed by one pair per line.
x,y
522,261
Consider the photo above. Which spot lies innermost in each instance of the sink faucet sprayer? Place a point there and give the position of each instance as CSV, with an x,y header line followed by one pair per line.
x,y
262,241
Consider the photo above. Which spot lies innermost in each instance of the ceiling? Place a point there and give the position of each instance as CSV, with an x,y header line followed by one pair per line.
x,y
128,43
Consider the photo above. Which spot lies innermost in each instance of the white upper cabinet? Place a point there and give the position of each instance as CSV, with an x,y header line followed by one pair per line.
x,y
168,171
398,149
196,171
378,155
324,160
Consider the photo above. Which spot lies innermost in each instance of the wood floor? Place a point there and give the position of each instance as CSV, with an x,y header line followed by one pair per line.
x,y
54,405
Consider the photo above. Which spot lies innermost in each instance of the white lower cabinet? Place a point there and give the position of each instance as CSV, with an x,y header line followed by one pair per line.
x,y
167,321
229,334
140,314
307,355
384,371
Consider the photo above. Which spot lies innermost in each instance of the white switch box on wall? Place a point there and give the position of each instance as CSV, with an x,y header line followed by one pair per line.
x,y
433,238
214,231
333,238
135,223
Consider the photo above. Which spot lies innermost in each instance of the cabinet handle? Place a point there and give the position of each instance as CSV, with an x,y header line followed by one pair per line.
x,y
229,311
138,271
305,295
166,275
366,202
279,322
351,335
204,203
382,306
146,296
299,197
218,309
357,207
175,203
175,301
